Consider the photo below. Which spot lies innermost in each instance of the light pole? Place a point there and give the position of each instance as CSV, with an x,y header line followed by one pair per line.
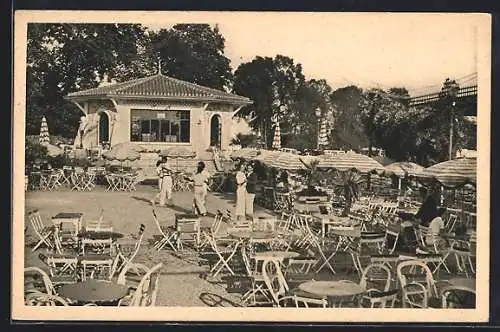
x,y
318,117
452,91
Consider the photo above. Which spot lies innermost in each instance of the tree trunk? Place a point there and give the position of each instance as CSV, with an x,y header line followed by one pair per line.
x,y
347,207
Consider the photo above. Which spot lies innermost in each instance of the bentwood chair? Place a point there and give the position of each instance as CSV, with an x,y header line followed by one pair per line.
x,y
145,294
418,286
37,281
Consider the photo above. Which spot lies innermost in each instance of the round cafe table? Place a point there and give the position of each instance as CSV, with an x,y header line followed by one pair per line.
x,y
468,285
278,255
253,237
331,289
93,291
461,292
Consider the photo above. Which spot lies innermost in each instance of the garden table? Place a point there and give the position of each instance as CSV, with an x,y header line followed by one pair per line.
x,y
307,207
276,255
93,235
346,235
252,236
333,290
72,218
94,291
331,220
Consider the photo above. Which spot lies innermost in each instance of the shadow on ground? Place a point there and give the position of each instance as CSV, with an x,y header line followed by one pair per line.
x,y
214,300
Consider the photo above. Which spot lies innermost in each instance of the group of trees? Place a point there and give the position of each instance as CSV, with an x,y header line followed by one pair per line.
x,y
63,58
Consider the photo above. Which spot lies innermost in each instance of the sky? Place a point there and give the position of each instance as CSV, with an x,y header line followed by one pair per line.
x,y
417,51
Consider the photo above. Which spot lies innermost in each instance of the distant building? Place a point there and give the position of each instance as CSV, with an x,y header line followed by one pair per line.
x,y
465,153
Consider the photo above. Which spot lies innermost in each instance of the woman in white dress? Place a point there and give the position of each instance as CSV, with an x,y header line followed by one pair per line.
x,y
241,193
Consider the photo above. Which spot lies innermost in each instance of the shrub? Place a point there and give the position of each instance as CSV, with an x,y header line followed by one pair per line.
x,y
35,153
58,161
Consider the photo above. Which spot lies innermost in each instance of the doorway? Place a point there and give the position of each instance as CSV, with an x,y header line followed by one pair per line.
x,y
103,128
215,131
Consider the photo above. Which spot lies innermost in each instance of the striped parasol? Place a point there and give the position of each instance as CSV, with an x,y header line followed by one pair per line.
x,y
453,173
323,136
267,156
277,136
350,160
404,168
244,153
123,152
44,132
291,161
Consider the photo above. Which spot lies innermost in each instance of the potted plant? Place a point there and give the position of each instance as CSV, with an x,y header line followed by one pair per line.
x,y
313,178
347,184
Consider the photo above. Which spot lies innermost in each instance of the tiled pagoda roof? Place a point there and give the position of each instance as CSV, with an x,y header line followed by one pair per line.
x,y
159,86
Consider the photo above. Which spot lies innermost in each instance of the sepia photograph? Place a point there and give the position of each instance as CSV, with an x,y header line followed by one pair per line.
x,y
246,166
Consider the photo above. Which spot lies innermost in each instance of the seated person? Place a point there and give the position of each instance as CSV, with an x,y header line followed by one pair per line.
x,y
427,211
436,226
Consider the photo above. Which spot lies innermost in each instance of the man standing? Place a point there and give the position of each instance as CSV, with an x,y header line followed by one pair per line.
x,y
251,184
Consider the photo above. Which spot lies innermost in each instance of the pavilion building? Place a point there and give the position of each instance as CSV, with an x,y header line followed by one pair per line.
x,y
156,113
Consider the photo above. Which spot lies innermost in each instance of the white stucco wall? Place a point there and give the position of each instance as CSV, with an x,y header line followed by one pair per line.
x,y
200,120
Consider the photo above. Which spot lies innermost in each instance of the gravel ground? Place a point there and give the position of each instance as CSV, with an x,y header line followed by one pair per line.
x,y
180,282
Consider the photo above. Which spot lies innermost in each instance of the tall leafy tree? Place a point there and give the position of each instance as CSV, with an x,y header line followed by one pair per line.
x,y
194,53
273,85
419,134
62,58
348,132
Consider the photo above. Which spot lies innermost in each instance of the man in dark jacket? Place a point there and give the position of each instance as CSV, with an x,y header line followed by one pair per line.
x,y
428,210
251,187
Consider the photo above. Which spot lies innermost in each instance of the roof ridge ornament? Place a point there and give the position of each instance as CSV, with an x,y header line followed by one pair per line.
x,y
159,67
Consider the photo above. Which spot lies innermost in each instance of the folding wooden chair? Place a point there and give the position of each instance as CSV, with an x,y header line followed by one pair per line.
x,y
62,268
325,249
88,180
96,266
431,254
258,286
96,246
450,222
391,234
114,182
299,270
77,181
66,175
188,230
53,180
43,232
213,229
168,234
224,249
122,258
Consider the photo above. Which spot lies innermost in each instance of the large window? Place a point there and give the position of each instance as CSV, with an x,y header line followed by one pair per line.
x,y
159,126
